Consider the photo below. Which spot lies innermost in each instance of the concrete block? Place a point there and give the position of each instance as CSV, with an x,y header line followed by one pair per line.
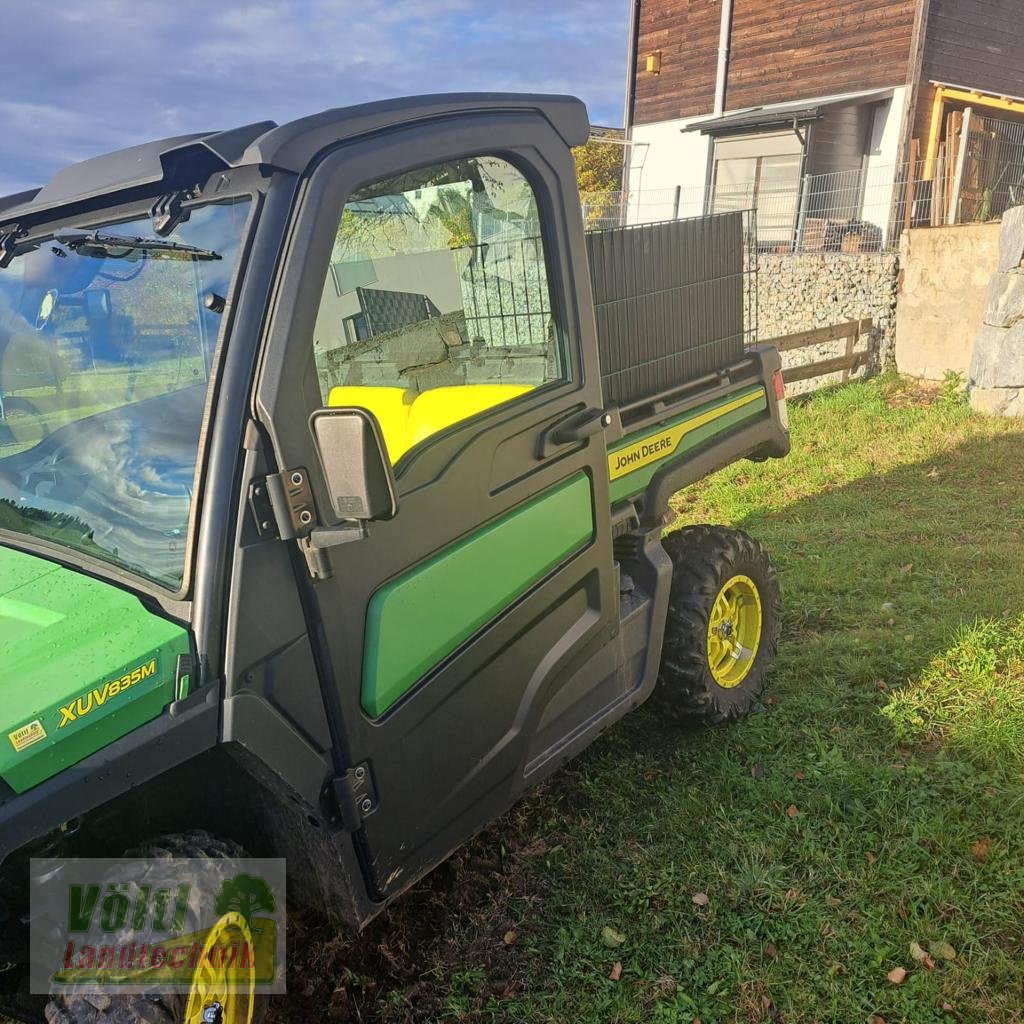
x,y
998,359
1011,239
1004,302
945,274
998,401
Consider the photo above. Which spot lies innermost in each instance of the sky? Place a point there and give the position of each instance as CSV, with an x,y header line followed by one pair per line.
x,y
83,77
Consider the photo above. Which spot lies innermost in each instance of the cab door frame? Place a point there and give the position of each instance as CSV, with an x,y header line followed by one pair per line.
x,y
561,632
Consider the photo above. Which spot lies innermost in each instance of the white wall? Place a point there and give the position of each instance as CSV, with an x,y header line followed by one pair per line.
x,y
662,158
881,161
434,274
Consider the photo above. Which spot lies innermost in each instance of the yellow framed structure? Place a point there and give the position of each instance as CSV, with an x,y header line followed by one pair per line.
x,y
956,94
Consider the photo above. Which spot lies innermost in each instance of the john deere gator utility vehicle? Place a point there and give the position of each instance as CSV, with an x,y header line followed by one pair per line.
x,y
330,512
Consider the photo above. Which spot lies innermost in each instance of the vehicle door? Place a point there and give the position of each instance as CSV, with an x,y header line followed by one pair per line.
x,y
435,275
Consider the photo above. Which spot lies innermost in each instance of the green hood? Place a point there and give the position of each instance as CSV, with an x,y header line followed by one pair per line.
x,y
81,664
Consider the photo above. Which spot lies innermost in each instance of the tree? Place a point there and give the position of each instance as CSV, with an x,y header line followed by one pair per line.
x,y
598,173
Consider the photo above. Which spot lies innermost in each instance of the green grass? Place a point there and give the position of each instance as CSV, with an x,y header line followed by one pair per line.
x,y
972,697
877,801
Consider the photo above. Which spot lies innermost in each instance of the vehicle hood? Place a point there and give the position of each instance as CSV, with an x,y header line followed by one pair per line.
x,y
82,662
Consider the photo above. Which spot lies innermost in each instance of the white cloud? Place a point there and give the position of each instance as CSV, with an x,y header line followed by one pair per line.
x,y
88,76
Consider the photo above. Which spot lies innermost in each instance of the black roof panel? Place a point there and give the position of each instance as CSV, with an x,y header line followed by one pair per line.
x,y
130,168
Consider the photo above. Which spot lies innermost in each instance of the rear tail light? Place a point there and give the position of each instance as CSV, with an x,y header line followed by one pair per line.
x,y
779,387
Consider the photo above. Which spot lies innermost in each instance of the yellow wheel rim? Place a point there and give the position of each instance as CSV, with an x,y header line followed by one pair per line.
x,y
216,984
734,631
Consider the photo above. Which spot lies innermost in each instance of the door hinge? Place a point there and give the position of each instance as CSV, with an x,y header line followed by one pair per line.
x,y
356,796
282,505
283,508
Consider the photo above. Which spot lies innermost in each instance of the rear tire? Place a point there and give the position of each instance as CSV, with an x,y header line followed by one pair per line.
x,y
152,1008
723,624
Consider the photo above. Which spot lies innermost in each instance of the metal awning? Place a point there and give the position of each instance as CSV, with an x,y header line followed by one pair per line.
x,y
781,116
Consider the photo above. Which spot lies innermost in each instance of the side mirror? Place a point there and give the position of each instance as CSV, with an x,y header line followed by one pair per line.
x,y
355,464
98,307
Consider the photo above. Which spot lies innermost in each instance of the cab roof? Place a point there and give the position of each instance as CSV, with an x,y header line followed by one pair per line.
x,y
186,159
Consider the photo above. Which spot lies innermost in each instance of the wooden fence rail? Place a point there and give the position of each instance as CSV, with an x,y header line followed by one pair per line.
x,y
850,361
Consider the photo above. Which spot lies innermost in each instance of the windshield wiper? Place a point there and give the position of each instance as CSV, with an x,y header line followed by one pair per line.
x,y
119,247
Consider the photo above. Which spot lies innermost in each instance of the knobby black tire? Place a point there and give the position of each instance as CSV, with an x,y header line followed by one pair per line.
x,y
149,1008
704,558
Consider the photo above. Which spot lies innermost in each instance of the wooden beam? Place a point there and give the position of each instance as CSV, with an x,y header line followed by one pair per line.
x,y
840,363
958,177
914,65
981,100
821,335
934,131
911,196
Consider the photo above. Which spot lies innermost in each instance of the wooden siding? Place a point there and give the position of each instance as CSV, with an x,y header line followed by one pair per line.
x,y
782,50
785,50
686,33
976,43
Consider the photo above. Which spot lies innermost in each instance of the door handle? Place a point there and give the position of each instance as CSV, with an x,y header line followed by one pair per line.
x,y
573,430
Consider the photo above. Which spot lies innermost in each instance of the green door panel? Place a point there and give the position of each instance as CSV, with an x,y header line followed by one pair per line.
x,y
81,664
418,619
633,462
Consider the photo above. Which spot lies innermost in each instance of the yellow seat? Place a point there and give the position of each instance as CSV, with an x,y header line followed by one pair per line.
x,y
439,408
405,423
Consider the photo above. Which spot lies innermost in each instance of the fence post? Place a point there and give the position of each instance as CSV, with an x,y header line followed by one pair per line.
x,y
675,202
961,159
801,220
911,196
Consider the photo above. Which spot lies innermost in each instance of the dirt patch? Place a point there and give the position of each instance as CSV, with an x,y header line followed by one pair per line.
x,y
909,392
457,934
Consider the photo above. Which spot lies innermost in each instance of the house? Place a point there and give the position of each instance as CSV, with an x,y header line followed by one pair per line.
x,y
839,120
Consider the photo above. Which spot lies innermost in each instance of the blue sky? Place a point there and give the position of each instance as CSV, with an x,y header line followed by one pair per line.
x,y
82,77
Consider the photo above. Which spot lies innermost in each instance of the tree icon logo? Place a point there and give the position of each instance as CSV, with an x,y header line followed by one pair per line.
x,y
245,894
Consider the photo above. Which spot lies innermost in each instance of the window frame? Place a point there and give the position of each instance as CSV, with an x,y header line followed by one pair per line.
x,y
287,381
559,343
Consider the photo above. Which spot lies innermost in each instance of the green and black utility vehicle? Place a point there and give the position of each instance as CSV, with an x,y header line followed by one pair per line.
x,y
330,512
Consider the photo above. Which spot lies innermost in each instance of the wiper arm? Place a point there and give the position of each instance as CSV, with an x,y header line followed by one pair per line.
x,y
119,247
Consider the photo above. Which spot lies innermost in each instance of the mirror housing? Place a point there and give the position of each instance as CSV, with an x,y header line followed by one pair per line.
x,y
355,464
98,307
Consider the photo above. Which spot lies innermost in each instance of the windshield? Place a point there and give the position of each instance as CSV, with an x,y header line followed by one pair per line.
x,y
106,340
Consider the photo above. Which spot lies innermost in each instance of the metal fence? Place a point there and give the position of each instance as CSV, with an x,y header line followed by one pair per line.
x,y
975,175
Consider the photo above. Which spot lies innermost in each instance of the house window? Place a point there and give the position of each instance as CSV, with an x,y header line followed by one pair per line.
x,y
356,328
760,172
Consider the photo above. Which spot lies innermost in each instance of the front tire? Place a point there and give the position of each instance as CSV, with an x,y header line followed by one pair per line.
x,y
723,624
166,1008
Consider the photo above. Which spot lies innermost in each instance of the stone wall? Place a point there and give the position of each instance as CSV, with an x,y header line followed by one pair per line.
x,y
803,292
944,273
997,363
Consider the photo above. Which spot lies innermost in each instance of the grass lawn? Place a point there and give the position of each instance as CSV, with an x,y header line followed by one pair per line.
x,y
780,869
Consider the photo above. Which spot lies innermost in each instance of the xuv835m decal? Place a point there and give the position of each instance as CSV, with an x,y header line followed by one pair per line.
x,y
82,663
